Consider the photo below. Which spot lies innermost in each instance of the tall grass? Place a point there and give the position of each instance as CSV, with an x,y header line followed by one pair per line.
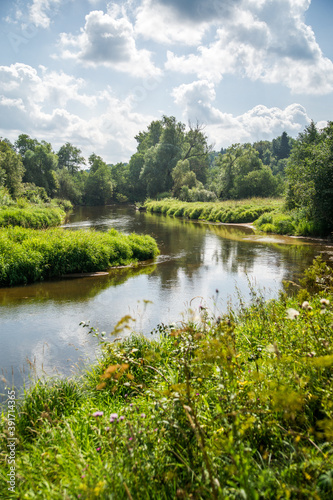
x,y
32,216
243,211
231,407
28,255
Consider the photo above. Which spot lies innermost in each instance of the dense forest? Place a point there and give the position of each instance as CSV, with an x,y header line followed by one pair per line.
x,y
176,161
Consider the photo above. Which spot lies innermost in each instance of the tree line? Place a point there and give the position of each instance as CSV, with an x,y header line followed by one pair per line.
x,y
172,160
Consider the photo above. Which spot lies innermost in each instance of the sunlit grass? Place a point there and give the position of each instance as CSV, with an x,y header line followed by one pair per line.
x,y
28,255
231,211
233,406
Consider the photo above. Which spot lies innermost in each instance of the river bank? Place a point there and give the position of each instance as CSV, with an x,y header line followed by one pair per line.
x,y
216,406
268,215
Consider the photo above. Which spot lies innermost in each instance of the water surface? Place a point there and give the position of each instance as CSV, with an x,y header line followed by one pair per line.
x,y
41,322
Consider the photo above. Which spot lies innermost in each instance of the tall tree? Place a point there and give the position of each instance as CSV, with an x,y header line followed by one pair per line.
x,y
70,157
12,168
310,176
98,187
40,163
242,174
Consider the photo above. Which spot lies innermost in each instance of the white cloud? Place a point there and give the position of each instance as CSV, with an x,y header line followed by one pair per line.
x,y
41,11
108,39
266,41
196,100
43,104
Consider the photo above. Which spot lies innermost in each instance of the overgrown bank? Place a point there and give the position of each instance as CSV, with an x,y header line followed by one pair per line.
x,y
269,215
29,255
232,211
230,407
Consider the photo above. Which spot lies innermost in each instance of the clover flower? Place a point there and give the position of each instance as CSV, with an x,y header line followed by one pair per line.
x,y
98,414
292,313
306,306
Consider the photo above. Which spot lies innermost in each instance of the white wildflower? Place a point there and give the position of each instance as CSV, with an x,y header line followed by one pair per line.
x,y
292,313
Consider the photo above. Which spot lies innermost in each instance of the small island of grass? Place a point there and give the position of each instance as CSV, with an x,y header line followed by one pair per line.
x,y
29,255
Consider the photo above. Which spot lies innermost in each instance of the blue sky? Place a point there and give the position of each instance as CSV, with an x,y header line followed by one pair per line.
x,y
95,73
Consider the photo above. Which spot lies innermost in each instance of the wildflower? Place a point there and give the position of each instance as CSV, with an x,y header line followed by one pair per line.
x,y
121,418
98,414
324,302
292,313
306,306
143,415
130,439
83,475
113,417
98,449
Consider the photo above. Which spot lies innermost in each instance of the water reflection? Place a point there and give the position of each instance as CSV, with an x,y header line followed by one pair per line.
x,y
41,321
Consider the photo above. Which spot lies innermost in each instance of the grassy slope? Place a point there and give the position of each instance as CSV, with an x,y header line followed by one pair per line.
x,y
28,255
232,407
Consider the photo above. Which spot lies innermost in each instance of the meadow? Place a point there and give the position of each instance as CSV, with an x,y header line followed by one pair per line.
x,y
29,255
233,406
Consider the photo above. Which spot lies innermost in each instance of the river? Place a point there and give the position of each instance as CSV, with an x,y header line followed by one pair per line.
x,y
40,323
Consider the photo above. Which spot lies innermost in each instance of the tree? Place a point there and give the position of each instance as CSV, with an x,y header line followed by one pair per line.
x,y
182,176
40,167
310,176
69,157
162,158
196,150
11,167
281,146
98,187
242,174
160,148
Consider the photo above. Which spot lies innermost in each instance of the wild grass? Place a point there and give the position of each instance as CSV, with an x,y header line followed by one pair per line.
x,y
34,217
289,222
28,255
231,211
231,407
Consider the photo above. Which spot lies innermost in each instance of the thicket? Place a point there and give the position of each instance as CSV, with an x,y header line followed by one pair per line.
x,y
241,211
232,406
29,255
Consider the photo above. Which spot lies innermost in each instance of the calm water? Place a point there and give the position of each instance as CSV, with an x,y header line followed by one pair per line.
x,y
40,323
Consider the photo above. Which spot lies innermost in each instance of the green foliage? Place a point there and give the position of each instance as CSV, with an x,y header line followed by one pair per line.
x,y
69,157
28,255
241,211
31,216
11,169
276,223
238,406
98,186
242,174
310,176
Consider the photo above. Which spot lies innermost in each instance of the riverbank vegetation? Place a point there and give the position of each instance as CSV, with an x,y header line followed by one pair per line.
x,y
174,161
232,406
30,255
231,211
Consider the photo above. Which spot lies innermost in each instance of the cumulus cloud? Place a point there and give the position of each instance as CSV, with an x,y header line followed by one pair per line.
x,y
108,39
265,40
197,102
44,103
